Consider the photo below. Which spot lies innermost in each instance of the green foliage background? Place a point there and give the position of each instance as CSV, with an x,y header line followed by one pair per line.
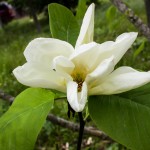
x,y
109,23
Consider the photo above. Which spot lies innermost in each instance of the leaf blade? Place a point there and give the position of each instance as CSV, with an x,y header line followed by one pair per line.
x,y
81,9
28,115
63,24
125,119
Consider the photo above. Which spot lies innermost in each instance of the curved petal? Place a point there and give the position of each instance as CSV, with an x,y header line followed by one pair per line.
x,y
63,66
87,27
83,54
77,100
43,50
35,75
118,48
99,52
121,80
83,49
103,70
122,44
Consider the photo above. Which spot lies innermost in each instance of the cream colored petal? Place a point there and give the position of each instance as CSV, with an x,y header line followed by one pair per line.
x,y
122,44
117,48
85,48
97,53
43,50
63,66
77,100
87,27
121,80
35,75
103,70
85,55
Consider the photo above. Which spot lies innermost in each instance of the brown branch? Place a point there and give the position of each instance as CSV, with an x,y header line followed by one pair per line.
x,y
134,19
75,127
62,122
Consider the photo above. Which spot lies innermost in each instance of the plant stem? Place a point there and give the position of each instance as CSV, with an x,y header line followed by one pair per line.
x,y
82,124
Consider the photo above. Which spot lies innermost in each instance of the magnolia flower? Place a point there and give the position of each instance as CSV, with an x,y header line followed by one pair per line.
x,y
87,69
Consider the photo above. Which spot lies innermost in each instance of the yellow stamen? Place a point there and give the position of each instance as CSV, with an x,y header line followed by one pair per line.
x,y
79,75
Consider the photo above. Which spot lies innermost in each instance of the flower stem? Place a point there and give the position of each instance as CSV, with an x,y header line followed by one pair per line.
x,y
82,124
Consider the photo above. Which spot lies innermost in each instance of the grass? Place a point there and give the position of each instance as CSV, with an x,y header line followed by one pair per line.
x,y
17,34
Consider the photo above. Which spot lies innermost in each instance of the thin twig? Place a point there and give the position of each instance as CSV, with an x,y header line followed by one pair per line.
x,y
134,19
62,122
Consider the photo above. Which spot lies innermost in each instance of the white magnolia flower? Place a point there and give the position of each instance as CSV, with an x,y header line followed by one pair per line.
x,y
87,69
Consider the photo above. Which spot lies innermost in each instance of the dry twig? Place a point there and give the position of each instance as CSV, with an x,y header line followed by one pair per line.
x,y
75,127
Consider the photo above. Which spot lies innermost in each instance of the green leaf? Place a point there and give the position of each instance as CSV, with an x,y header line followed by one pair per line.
x,y
124,117
110,14
139,50
63,24
20,125
81,9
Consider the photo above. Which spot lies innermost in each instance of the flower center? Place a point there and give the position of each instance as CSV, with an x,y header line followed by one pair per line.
x,y
79,75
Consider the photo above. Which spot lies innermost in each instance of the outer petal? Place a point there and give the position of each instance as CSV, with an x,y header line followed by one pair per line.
x,y
77,100
99,52
103,70
87,28
122,44
35,75
121,80
118,48
45,49
63,66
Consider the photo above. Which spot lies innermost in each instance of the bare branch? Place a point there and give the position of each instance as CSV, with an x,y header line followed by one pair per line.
x,y
75,127
62,122
134,19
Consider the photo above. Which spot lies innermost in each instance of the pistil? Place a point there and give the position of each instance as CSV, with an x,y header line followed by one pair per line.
x,y
80,86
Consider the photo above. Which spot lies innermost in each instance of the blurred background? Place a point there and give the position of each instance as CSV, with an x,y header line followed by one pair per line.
x,y
23,20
